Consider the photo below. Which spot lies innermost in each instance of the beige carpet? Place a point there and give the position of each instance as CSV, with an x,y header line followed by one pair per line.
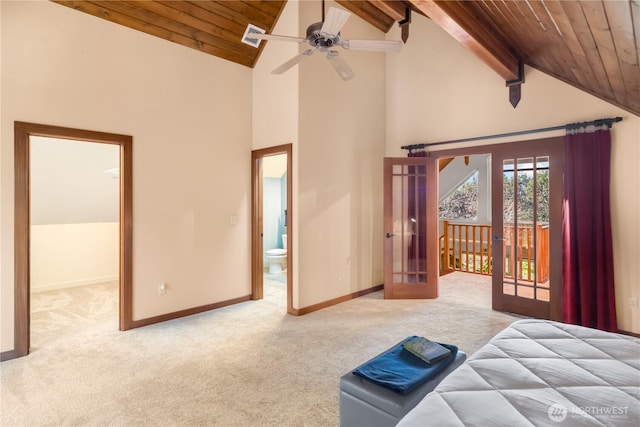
x,y
246,365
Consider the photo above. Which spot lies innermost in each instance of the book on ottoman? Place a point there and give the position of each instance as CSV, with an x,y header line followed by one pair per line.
x,y
426,349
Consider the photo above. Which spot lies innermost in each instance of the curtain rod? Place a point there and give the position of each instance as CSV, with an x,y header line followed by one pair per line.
x,y
569,126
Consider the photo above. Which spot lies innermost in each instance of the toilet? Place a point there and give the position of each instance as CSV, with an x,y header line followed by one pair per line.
x,y
277,258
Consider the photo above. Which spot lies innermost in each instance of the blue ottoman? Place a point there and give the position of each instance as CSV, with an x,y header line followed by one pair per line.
x,y
365,404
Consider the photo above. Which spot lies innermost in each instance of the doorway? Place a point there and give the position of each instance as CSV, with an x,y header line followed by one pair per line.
x,y
528,278
271,225
73,236
527,228
23,132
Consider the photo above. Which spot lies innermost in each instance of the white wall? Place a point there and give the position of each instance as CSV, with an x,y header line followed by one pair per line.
x,y
275,98
188,114
337,131
66,255
341,146
275,110
74,213
438,91
68,183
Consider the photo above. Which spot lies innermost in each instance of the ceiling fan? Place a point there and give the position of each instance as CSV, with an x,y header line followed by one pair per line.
x,y
325,37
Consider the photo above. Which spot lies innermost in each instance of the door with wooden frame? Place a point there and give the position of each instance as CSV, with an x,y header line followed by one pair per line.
x,y
410,228
257,221
22,235
527,228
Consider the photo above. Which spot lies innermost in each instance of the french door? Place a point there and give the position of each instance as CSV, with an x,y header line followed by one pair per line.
x,y
527,228
410,227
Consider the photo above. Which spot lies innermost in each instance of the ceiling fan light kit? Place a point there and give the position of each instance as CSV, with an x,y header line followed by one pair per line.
x,y
325,37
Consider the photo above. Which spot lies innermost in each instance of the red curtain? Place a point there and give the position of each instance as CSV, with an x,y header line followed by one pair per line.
x,y
589,297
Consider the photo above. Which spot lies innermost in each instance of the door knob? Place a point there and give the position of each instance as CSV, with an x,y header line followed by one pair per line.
x,y
497,239
388,235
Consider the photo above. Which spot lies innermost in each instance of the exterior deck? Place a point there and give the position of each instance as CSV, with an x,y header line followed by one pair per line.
x,y
467,248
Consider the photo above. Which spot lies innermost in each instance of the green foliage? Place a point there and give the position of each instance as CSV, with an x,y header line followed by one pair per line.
x,y
524,190
462,203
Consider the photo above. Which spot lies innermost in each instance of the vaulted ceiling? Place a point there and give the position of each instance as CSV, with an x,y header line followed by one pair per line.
x,y
593,45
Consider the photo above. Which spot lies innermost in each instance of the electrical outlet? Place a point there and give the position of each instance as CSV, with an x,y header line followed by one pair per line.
x,y
162,288
633,303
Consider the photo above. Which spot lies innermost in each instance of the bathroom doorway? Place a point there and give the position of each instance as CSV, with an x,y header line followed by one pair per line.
x,y
271,226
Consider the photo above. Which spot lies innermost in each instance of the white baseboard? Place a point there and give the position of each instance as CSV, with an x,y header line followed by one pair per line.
x,y
74,283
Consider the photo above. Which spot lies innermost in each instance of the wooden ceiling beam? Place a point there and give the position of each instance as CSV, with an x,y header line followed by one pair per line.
x,y
393,9
471,31
369,13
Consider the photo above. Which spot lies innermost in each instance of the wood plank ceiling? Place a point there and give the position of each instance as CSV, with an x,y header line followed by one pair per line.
x,y
593,45
213,27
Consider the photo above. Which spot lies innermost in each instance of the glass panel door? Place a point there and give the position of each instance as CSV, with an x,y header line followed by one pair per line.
x,y
410,234
526,218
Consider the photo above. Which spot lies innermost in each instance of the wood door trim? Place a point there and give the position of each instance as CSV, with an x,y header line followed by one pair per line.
x,y
22,133
257,264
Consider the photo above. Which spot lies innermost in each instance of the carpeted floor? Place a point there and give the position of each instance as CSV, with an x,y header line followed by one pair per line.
x,y
246,365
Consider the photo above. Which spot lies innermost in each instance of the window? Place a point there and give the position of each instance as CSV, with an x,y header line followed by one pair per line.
x,y
462,203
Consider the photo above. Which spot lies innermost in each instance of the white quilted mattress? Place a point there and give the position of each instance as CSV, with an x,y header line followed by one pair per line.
x,y
540,373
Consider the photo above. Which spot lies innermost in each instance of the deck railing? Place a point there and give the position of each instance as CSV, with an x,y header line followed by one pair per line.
x,y
467,247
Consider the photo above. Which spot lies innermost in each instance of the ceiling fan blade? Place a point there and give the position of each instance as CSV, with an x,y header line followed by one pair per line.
x,y
340,66
277,37
334,21
293,61
373,45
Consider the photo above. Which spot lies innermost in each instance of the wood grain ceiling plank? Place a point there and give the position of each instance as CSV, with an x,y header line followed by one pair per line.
x,y
137,10
599,27
582,71
369,13
620,21
247,12
509,26
621,24
191,14
269,27
532,34
635,17
553,44
131,22
271,7
396,10
239,11
184,24
474,33
582,32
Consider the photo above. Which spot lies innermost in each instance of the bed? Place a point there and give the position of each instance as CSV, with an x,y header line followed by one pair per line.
x,y
540,373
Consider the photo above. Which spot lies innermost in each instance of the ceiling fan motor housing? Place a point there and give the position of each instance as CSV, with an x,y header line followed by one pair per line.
x,y
317,39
